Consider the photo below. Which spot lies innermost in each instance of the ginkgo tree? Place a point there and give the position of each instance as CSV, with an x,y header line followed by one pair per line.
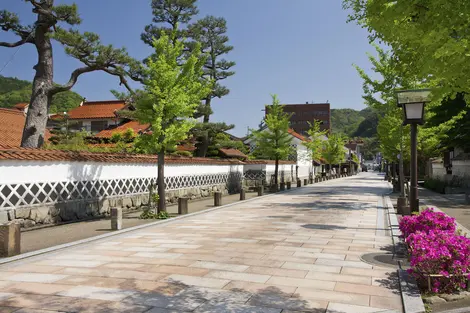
x,y
429,39
173,90
316,140
274,141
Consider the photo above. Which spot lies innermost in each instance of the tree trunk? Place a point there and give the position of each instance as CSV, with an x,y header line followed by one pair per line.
x,y
36,119
402,172
207,110
276,173
161,182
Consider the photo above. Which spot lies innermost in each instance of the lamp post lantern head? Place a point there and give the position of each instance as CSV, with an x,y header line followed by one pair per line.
x,y
412,102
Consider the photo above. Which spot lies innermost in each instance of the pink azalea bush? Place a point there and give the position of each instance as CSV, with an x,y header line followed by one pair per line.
x,y
435,248
427,221
440,252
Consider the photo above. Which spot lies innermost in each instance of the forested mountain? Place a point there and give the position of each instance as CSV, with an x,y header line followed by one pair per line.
x,y
14,90
353,123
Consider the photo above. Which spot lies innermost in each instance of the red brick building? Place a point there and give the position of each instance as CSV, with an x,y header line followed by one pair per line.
x,y
302,114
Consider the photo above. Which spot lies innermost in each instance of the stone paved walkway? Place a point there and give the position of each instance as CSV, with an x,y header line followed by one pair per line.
x,y
291,252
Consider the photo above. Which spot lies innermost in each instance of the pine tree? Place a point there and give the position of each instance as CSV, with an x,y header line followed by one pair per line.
x,y
210,32
169,17
85,47
172,91
274,141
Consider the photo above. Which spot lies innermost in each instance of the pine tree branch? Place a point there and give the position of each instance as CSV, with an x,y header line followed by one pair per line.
x,y
72,81
13,44
10,22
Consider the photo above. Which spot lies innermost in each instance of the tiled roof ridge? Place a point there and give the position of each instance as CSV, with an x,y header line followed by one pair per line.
x,y
31,154
104,102
13,111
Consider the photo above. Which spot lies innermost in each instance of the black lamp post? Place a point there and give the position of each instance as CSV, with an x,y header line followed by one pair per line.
x,y
412,102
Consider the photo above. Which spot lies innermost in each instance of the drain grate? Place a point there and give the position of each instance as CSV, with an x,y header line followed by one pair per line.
x,y
384,259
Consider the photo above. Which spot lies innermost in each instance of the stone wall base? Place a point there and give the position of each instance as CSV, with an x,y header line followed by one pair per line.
x,y
81,210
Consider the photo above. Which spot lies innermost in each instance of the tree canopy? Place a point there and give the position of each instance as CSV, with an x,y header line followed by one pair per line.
x,y
429,39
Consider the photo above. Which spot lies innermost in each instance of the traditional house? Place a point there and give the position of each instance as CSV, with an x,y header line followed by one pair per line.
x,y
94,116
304,167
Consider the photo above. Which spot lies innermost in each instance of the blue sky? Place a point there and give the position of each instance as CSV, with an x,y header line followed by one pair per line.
x,y
301,50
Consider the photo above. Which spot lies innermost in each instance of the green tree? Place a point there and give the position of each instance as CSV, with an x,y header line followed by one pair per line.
x,y
85,47
333,150
169,17
172,91
427,38
222,140
316,140
205,134
274,141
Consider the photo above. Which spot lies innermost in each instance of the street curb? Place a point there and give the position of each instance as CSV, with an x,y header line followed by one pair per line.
x,y
409,291
31,254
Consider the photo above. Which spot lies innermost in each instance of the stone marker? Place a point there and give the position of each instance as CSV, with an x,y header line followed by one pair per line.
x,y
183,205
116,218
260,190
310,180
217,198
10,240
288,184
282,186
299,183
467,196
242,194
305,181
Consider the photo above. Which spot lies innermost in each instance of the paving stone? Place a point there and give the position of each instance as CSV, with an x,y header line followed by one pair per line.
x,y
31,268
234,308
36,288
364,280
312,267
198,281
215,295
343,263
5,295
254,278
220,266
260,288
72,263
286,303
365,289
386,302
299,282
328,256
334,296
158,255
276,272
35,277
349,308
98,293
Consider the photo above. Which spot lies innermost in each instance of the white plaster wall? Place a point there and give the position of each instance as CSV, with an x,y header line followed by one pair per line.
x,y
461,168
12,172
438,170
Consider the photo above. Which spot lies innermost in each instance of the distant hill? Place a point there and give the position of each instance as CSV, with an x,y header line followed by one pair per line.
x,y
14,90
353,123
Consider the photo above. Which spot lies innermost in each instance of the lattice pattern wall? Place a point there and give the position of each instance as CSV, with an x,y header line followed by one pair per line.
x,y
27,194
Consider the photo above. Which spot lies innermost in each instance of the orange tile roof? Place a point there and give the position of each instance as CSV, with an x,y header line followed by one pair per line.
x,y
21,106
134,125
297,135
96,110
233,153
268,162
25,154
11,126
